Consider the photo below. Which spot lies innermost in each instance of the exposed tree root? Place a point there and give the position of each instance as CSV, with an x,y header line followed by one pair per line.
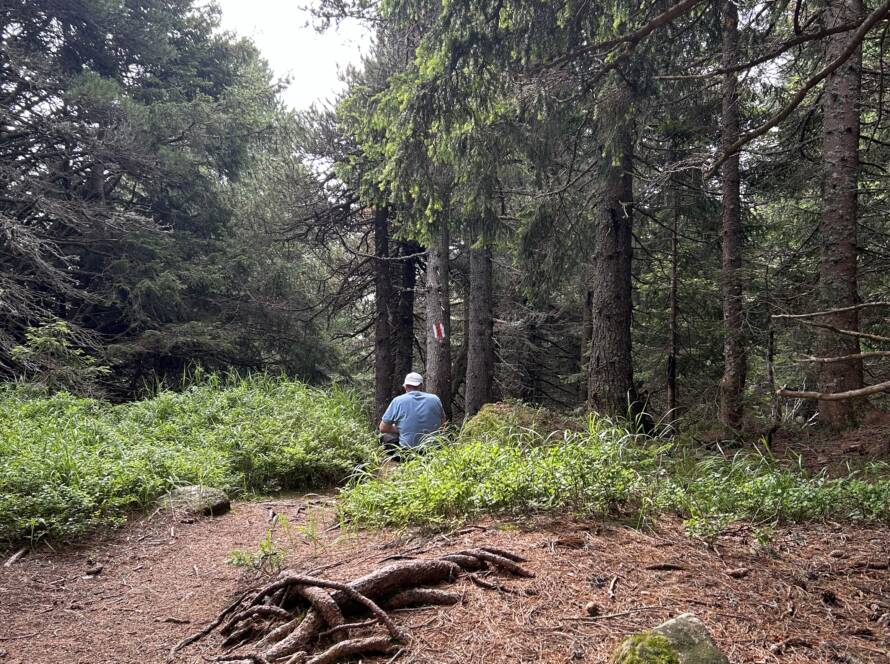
x,y
353,647
489,585
211,626
301,619
422,597
498,560
322,602
466,563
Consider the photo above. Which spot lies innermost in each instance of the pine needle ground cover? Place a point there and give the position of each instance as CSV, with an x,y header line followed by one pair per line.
x,y
69,464
602,471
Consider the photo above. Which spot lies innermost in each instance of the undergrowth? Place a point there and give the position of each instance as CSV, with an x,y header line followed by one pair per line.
x,y
70,464
605,471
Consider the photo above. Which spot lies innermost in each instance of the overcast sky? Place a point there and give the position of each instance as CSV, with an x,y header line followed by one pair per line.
x,y
293,48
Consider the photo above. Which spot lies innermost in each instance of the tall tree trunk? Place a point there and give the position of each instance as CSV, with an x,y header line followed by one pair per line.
x,y
672,352
403,314
383,387
610,388
732,385
438,311
459,363
586,332
480,349
838,264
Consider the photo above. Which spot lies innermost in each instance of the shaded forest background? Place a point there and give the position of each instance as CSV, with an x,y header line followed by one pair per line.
x,y
603,204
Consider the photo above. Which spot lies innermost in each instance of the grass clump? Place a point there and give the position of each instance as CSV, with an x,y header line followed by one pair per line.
x,y
69,464
514,472
605,471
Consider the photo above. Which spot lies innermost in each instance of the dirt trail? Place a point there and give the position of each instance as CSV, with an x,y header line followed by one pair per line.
x,y
820,593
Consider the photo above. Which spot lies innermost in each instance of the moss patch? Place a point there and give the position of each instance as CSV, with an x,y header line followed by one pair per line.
x,y
646,648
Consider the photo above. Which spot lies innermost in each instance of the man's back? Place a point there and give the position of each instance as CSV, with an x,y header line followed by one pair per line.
x,y
415,414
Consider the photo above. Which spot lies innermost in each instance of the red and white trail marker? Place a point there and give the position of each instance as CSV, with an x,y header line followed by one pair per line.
x,y
438,331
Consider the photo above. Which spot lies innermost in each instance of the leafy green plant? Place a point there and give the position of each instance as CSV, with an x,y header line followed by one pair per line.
x,y
70,464
268,559
311,530
606,470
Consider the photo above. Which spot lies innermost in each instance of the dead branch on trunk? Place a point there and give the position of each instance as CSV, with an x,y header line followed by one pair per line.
x,y
869,390
831,312
854,42
844,358
836,396
850,333
298,618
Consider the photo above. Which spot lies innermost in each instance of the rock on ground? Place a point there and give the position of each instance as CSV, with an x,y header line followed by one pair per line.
x,y
680,640
197,500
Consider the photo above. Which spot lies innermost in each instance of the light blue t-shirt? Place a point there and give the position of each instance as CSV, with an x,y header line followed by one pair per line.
x,y
415,414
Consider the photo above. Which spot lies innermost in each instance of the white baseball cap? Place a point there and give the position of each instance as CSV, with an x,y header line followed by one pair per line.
x,y
414,379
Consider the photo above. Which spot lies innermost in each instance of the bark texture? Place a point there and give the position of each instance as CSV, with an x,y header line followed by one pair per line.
x,y
438,310
732,384
610,389
586,332
480,348
403,313
838,262
383,299
674,307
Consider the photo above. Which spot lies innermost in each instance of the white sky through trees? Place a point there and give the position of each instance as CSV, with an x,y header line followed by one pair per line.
x,y
282,30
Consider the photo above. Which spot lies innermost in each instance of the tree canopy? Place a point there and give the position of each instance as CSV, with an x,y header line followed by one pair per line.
x,y
641,210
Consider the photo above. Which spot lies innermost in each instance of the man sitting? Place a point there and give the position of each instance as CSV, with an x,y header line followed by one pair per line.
x,y
412,416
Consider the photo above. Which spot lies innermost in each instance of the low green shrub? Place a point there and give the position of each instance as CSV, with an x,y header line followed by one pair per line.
x,y
70,464
604,470
599,471
504,417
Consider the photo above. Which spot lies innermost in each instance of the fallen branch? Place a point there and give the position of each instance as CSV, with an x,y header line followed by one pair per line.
x,y
19,637
612,585
791,642
870,565
14,557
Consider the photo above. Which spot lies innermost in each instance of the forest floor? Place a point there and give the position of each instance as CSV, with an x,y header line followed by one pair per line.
x,y
819,449
813,593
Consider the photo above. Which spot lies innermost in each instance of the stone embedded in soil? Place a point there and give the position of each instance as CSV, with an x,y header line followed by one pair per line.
x,y
681,640
197,500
